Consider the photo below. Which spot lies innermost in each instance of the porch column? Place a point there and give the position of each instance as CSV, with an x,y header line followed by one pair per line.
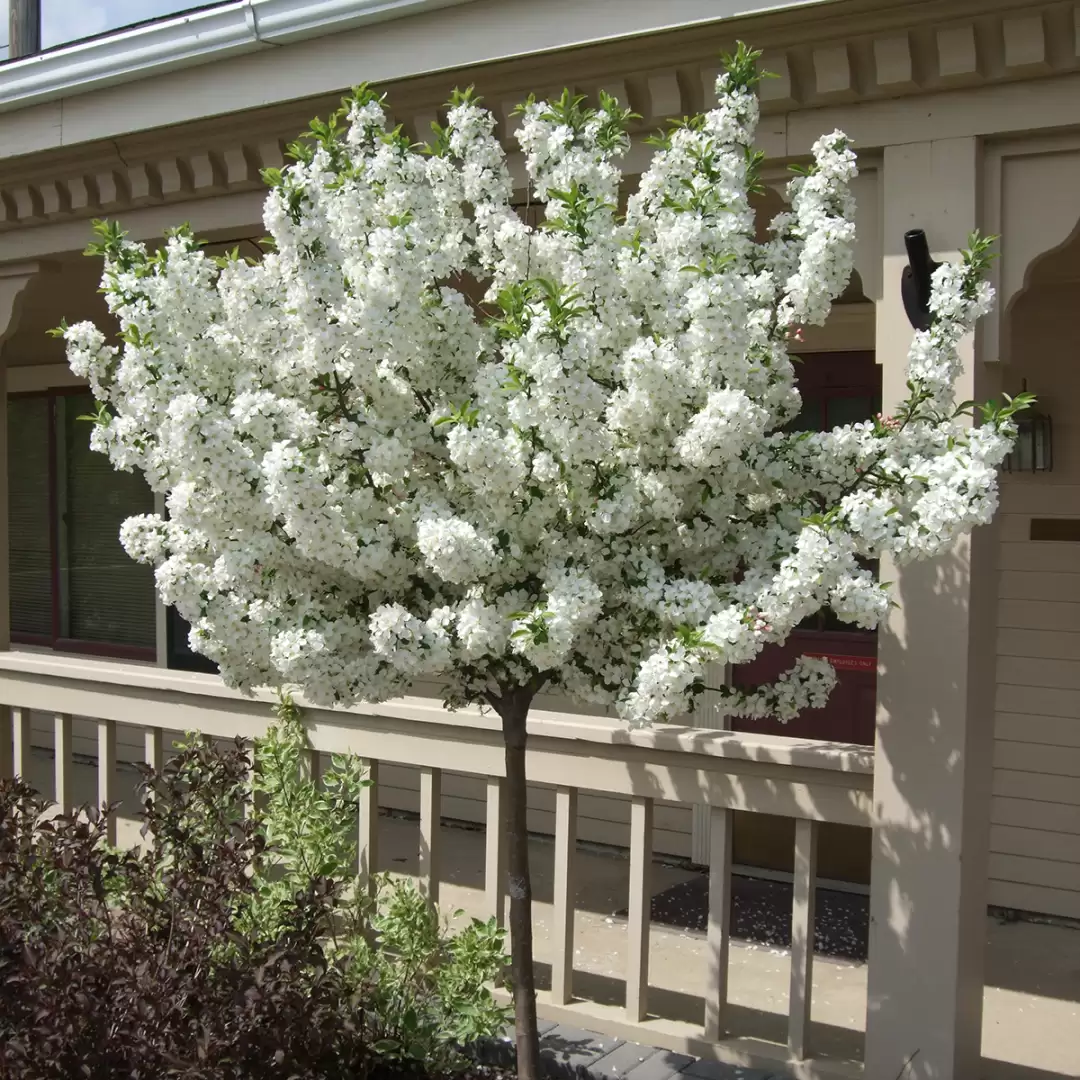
x,y
935,703
13,280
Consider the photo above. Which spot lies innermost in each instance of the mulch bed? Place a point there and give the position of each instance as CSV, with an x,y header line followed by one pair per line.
x,y
761,914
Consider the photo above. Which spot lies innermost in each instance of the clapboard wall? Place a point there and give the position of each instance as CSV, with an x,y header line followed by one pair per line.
x,y
1035,814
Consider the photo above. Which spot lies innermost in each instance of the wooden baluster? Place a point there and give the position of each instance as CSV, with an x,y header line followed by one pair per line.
x,y
495,850
12,742
153,758
562,968
802,937
311,765
251,798
368,842
7,745
152,752
62,761
430,809
637,947
716,955
20,742
106,770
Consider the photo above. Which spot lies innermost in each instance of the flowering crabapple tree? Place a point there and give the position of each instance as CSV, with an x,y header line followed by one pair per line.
x,y
422,438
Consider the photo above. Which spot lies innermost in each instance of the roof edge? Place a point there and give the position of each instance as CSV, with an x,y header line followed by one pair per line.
x,y
186,40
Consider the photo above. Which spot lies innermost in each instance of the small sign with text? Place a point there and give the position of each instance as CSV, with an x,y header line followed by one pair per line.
x,y
848,663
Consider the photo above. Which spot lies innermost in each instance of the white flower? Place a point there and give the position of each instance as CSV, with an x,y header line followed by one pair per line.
x,y
481,628
454,549
806,685
584,482
398,636
727,425
663,684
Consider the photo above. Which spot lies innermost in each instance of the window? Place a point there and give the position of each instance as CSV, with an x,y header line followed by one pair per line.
x,y
823,413
178,652
72,585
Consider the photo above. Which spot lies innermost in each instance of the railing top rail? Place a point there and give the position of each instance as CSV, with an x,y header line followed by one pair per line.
x,y
145,681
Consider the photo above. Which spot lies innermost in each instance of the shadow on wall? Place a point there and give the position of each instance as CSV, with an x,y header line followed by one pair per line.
x,y
938,669
933,783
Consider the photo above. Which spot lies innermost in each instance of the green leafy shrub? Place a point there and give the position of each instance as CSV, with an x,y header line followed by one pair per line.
x,y
309,828
429,990
236,944
426,992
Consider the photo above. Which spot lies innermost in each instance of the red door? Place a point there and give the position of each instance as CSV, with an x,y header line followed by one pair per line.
x,y
849,714
837,388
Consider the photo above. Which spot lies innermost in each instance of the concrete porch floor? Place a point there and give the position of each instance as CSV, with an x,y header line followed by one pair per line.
x,y
1031,1022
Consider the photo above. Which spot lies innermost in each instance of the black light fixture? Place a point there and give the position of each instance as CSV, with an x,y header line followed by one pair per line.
x,y
1033,450
915,280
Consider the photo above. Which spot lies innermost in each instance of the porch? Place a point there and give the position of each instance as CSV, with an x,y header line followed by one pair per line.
x,y
604,961
971,791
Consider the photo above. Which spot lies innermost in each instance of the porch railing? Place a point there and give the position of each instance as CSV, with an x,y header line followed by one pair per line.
x,y
811,782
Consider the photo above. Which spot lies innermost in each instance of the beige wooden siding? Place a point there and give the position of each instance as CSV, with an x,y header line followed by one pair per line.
x,y
129,740
1035,812
601,819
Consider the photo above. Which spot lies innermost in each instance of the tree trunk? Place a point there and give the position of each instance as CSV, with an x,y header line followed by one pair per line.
x,y
513,708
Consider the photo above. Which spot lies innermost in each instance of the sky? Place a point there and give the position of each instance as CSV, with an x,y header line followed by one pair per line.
x,y
69,20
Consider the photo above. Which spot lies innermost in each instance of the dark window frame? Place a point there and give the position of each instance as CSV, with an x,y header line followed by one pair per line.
x,y
57,641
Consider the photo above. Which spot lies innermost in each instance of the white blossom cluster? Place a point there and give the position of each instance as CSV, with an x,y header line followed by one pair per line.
x,y
421,438
806,685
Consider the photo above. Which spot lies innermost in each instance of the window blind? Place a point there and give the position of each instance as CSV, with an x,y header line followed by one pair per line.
x,y
30,569
105,596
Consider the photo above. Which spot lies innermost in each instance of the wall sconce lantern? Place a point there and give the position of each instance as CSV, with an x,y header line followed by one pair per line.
x,y
1034,447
